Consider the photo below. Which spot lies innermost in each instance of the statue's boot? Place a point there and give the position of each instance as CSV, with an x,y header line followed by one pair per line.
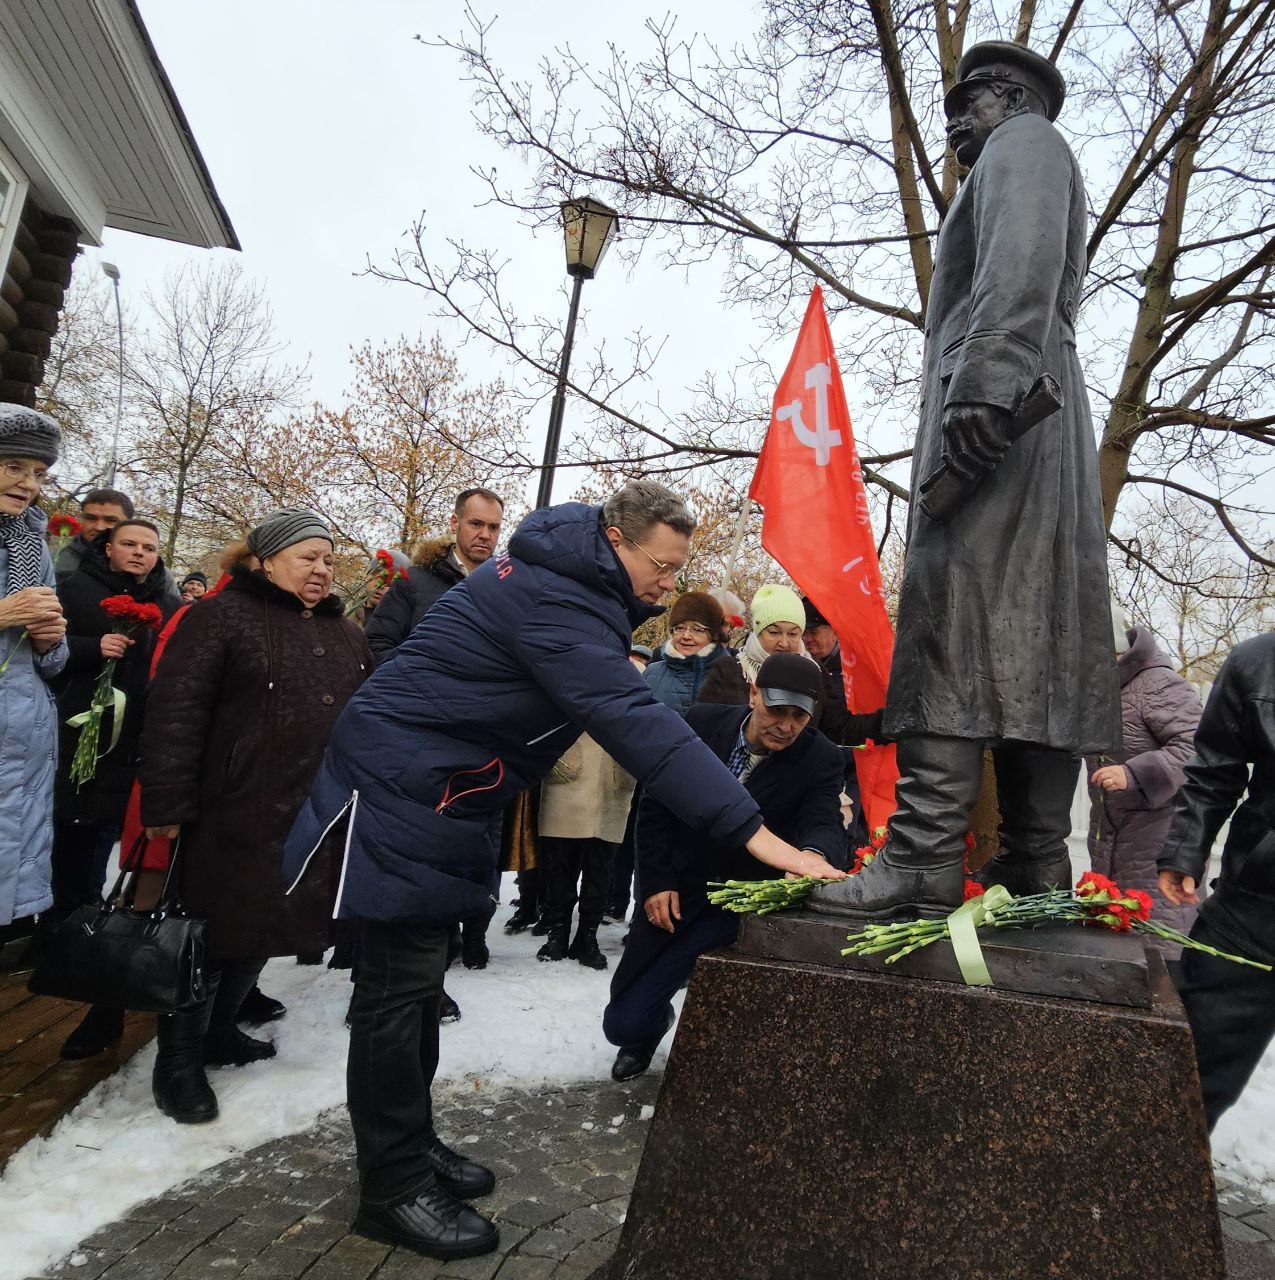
x,y
921,869
1035,787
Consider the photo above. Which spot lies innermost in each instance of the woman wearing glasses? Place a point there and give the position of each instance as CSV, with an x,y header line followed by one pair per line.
x,y
696,629
32,651
777,618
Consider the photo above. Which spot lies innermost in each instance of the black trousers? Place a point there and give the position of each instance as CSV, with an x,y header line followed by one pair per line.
x,y
624,887
81,855
1231,1008
394,1055
566,862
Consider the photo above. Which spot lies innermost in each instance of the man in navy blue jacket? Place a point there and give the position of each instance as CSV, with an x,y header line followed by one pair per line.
x,y
794,773
497,680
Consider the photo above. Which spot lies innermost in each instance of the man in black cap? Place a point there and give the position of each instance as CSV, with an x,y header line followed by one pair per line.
x,y
794,773
1003,638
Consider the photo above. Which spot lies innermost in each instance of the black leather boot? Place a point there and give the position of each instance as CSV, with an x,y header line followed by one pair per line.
x,y
432,1223
524,916
178,1083
100,1029
259,1008
225,1045
557,943
584,947
448,1010
465,1179
473,944
633,1059
921,870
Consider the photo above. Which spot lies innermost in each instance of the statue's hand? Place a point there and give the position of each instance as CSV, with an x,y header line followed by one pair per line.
x,y
975,438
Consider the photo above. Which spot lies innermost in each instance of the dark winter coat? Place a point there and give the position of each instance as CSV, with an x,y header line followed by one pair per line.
x,y
242,704
798,791
1234,754
676,680
1004,626
1160,712
409,599
104,796
725,684
498,680
70,560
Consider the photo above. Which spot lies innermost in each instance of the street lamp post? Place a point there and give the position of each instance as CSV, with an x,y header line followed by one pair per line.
x,y
588,228
112,272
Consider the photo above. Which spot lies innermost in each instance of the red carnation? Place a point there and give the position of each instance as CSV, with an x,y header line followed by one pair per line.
x,y
132,613
1143,910
1092,883
973,890
63,525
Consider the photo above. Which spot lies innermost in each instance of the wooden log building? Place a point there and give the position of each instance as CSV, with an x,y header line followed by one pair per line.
x,y
91,136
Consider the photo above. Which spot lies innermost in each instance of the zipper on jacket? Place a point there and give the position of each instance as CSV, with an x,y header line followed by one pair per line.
x,y
305,866
345,855
531,742
449,801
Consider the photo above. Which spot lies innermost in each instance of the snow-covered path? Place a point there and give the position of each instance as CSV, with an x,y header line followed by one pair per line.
x,y
523,1023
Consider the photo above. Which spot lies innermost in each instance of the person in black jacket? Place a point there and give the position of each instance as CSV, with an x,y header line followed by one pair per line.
x,y
1231,1007
794,774
87,817
438,564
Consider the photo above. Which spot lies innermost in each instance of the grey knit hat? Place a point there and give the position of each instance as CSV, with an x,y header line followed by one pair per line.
x,y
24,433
285,527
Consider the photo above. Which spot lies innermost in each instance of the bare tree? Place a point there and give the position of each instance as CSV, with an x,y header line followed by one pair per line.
x,y
816,152
205,364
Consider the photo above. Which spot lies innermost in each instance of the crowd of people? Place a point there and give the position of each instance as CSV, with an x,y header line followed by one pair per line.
x,y
319,777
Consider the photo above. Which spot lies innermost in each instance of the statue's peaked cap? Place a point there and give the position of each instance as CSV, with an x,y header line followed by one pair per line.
x,y
1000,60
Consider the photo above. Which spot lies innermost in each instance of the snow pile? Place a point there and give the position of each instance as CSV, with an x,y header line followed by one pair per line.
x,y
524,1023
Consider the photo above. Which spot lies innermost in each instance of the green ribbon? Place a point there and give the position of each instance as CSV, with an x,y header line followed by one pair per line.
x,y
962,927
117,720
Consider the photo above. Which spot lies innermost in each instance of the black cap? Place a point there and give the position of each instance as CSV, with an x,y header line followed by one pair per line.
x,y
813,617
790,680
194,577
1015,63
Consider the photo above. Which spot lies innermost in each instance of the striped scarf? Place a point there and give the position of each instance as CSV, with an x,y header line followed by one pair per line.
x,y
26,552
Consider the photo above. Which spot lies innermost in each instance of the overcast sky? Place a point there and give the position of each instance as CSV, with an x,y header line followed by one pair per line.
x,y
328,128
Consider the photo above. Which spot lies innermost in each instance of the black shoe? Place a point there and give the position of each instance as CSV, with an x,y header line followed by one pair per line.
x,y
434,1224
100,1029
584,947
633,1059
448,1010
258,1009
540,928
521,920
1024,877
178,1083
556,945
884,891
464,1179
615,913
473,950
232,1048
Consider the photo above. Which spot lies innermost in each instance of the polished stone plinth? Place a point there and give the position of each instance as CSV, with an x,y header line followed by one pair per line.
x,y
821,1123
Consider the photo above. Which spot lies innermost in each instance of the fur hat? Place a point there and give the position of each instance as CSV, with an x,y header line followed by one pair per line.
x,y
698,606
776,603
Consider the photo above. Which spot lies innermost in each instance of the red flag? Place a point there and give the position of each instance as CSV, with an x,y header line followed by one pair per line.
x,y
816,524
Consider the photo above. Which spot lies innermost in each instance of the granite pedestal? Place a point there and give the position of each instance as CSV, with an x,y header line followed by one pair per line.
x,y
821,1122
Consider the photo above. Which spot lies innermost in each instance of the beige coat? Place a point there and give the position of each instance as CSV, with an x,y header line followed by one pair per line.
x,y
587,795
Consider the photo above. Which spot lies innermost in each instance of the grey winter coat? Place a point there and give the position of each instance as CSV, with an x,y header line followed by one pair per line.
x,y
1160,712
1003,630
28,760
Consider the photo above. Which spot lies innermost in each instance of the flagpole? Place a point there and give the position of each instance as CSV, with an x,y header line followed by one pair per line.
x,y
740,529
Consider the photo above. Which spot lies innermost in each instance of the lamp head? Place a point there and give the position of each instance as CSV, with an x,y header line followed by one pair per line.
x,y
588,229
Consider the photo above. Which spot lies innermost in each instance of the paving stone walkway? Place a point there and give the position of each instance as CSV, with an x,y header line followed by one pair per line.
x,y
566,1159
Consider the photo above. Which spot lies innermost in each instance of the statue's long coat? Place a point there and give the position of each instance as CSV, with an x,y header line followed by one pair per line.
x,y
1004,630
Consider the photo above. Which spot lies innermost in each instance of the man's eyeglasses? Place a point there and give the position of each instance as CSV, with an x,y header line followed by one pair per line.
x,y
24,471
662,570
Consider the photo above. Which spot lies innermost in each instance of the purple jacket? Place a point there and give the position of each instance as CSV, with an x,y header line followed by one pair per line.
x,y
1159,711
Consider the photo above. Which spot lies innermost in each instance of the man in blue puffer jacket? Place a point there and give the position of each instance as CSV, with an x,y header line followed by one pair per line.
x,y
498,679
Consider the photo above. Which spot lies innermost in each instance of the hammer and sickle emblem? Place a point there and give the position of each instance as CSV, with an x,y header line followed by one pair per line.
x,y
822,439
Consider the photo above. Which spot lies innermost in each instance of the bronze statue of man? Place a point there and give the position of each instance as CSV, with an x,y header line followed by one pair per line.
x,y
1004,636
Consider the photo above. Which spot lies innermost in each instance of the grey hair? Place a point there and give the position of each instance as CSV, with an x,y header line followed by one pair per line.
x,y
642,504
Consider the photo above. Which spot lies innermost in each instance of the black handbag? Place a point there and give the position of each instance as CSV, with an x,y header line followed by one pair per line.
x,y
112,954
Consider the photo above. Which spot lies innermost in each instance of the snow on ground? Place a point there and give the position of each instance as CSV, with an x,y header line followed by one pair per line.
x,y
523,1023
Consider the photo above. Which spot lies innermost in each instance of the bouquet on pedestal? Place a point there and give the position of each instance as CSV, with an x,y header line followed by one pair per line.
x,y
127,616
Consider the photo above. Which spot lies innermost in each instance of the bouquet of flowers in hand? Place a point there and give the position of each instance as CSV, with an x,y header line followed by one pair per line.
x,y
381,574
127,616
